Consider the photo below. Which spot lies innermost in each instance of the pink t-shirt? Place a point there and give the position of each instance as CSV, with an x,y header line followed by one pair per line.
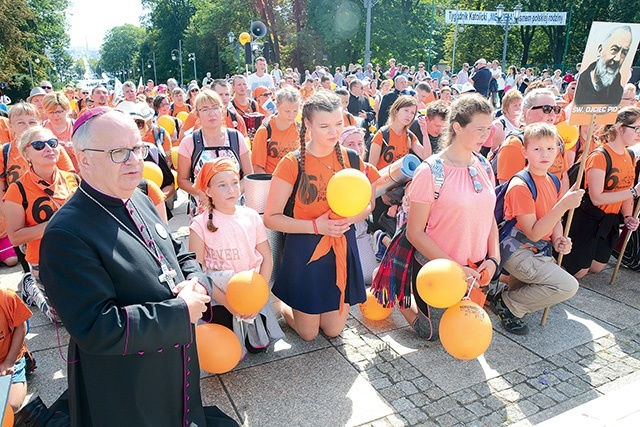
x,y
233,246
186,149
460,220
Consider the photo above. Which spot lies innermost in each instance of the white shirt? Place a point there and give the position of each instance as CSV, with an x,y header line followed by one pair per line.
x,y
254,81
277,74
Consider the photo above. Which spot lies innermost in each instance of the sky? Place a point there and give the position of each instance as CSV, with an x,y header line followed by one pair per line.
x,y
89,20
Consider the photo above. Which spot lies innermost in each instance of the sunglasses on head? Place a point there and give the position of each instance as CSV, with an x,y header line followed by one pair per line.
x,y
266,94
39,145
195,90
46,87
547,109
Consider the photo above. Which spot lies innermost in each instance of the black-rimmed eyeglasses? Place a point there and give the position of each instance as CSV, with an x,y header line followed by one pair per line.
x,y
122,155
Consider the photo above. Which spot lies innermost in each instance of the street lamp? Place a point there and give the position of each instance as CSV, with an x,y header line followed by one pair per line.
x,y
508,21
368,4
236,45
177,54
153,61
192,57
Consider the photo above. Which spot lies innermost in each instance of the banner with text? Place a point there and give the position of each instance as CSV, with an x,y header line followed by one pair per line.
x,y
484,17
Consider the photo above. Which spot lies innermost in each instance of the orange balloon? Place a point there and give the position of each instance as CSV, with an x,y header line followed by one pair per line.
x,y
219,349
182,115
568,133
174,157
465,330
7,421
247,292
441,283
348,192
167,123
152,172
373,310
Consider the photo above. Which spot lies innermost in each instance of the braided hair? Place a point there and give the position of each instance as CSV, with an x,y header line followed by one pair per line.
x,y
321,101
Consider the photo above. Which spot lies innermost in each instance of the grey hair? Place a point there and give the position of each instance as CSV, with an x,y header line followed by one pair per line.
x,y
531,97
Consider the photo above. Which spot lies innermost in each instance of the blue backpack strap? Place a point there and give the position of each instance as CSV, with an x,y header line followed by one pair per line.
x,y
437,172
525,175
556,181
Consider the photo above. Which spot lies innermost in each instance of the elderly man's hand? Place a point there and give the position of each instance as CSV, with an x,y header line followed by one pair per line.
x,y
196,302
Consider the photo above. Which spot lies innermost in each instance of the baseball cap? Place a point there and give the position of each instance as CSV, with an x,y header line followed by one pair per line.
x,y
467,87
137,110
192,86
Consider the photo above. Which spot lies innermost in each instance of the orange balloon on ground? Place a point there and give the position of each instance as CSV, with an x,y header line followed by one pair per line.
x,y
167,123
465,330
247,292
152,172
441,283
373,310
7,421
219,349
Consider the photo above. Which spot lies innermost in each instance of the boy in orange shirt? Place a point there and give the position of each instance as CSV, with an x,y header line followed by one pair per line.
x,y
13,328
526,252
279,135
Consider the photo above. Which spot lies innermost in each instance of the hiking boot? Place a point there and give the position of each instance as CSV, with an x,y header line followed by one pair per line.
x,y
510,322
33,295
423,326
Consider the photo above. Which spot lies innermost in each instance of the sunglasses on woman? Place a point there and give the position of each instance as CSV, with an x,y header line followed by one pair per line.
x,y
140,124
547,109
39,145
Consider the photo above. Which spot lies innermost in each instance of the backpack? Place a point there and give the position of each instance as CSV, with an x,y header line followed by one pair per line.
x,y
6,148
385,140
437,171
173,108
354,162
504,226
267,126
198,148
572,172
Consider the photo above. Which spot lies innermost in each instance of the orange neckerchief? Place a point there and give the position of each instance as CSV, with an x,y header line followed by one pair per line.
x,y
339,245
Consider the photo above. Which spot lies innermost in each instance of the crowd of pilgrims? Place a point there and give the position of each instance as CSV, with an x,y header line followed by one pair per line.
x,y
301,130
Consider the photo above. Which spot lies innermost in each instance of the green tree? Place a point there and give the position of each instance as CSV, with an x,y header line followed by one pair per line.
x,y
120,47
13,39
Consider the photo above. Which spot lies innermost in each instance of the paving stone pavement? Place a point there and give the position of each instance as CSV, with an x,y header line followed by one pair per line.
x,y
381,374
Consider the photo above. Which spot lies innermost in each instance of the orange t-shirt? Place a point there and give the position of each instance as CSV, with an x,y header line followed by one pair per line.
x,y
348,119
179,108
166,143
315,203
41,206
13,313
511,161
396,148
267,154
64,138
18,166
622,174
6,134
372,173
519,200
155,193
191,121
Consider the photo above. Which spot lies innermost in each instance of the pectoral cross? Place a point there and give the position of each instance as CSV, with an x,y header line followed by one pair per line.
x,y
167,275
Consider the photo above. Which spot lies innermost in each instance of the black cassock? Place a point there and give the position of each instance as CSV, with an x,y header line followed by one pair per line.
x,y
132,353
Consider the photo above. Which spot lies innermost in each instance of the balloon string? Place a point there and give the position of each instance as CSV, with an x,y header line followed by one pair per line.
x,y
470,287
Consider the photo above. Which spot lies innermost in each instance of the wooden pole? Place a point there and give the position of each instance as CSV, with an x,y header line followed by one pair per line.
x,y
624,247
567,226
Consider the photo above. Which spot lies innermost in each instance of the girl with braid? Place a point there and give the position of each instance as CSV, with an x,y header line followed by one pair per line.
x,y
320,276
228,239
